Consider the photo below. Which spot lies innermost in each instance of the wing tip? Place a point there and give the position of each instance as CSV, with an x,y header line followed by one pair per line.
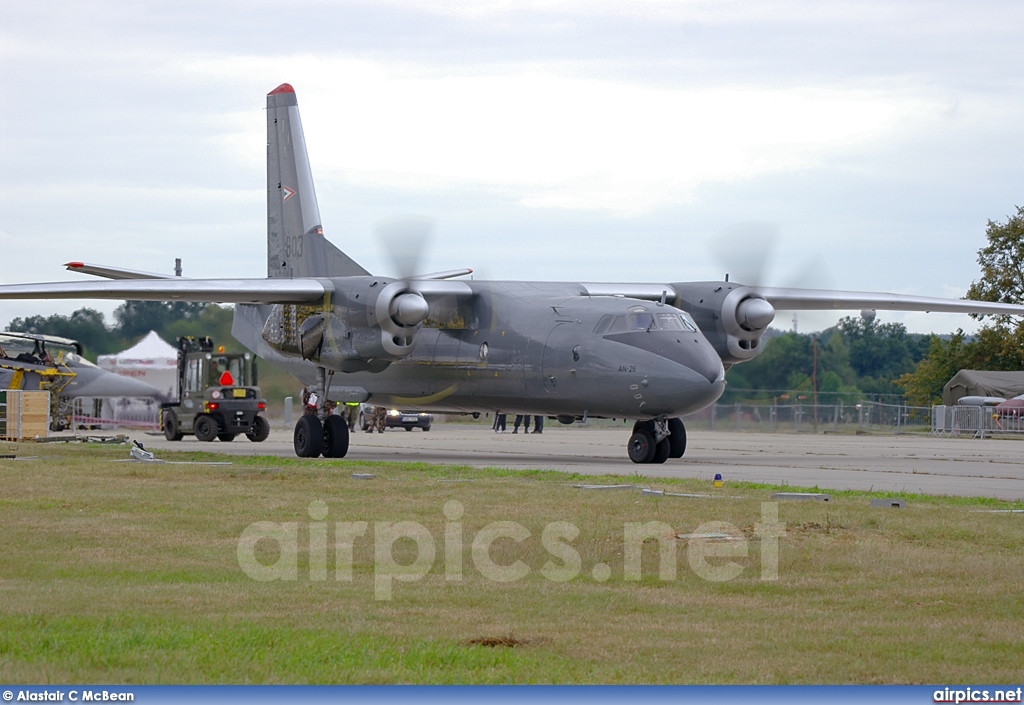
x,y
283,88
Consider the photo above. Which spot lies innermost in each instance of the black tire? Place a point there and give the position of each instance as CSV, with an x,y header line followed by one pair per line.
x,y
226,437
335,437
308,437
641,446
661,452
408,428
677,441
260,430
205,428
426,428
644,426
171,431
363,423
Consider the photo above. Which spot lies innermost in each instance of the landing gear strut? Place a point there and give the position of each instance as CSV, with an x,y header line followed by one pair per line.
x,y
657,440
318,432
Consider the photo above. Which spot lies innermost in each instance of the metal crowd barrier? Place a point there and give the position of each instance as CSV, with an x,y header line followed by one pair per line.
x,y
974,421
862,417
108,413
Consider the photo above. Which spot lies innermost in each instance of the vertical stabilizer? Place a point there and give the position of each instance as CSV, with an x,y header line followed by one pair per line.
x,y
296,246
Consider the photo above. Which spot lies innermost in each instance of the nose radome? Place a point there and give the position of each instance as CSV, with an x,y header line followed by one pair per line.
x,y
711,366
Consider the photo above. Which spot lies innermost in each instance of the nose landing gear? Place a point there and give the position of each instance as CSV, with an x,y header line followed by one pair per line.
x,y
657,440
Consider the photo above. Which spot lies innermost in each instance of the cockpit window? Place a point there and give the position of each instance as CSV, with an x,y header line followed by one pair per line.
x,y
669,321
688,323
618,325
661,320
641,321
675,321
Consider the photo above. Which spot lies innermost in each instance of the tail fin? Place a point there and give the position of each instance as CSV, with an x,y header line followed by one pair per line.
x,y
296,246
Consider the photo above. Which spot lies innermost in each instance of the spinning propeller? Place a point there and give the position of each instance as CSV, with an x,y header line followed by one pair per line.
x,y
401,307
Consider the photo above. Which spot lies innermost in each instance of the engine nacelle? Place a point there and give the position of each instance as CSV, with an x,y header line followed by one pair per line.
x,y
368,323
296,330
399,312
732,317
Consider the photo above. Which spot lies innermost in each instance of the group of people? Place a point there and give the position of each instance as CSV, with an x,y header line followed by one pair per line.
x,y
499,423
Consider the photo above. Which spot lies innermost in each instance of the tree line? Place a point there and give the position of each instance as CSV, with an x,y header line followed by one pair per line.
x,y
132,321
861,359
854,360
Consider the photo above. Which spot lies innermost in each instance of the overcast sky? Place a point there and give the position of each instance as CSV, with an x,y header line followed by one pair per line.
x,y
590,140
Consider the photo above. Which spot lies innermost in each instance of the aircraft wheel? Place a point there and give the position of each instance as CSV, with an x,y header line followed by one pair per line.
x,y
308,437
205,428
677,441
171,432
641,446
661,452
260,430
226,437
335,437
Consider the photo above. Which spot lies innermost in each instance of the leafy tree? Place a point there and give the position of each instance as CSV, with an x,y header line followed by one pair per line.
x,y
1002,262
86,325
214,321
136,318
998,345
924,385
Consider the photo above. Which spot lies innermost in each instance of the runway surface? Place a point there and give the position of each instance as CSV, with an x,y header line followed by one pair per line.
x,y
913,464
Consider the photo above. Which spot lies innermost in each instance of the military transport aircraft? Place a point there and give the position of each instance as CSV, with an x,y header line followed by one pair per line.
x,y
651,352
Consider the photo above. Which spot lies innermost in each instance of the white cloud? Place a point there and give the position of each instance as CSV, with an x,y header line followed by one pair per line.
x,y
559,141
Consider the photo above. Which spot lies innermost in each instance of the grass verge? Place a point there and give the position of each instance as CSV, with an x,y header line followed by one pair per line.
x,y
120,572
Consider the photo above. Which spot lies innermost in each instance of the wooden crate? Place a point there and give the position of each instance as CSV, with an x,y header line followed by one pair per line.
x,y
28,415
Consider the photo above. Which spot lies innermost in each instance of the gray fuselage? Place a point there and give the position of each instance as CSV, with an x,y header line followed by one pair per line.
x,y
538,348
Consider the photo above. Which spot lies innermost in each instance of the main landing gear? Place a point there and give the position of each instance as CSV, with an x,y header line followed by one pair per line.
x,y
657,440
317,432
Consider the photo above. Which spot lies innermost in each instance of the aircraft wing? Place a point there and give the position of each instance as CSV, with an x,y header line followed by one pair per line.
x,y
788,299
259,291
102,270
824,300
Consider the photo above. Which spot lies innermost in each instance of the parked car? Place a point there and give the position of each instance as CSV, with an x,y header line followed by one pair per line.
x,y
396,418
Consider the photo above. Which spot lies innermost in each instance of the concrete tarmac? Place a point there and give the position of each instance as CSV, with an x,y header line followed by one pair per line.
x,y
906,463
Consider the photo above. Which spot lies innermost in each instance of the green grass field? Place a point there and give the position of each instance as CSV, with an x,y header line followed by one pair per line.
x,y
123,572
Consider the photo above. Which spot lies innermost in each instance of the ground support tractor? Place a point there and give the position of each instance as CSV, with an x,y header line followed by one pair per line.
x,y
217,395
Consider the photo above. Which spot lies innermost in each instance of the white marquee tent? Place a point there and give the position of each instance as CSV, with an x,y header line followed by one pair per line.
x,y
151,360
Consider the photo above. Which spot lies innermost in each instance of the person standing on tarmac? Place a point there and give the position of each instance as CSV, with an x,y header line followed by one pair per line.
x,y
538,424
379,420
351,412
519,420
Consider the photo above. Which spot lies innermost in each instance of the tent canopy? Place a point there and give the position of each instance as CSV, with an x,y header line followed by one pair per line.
x,y
151,360
982,383
146,352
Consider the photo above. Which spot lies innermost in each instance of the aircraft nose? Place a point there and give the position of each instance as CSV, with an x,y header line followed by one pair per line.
x,y
94,382
689,383
691,350
695,353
